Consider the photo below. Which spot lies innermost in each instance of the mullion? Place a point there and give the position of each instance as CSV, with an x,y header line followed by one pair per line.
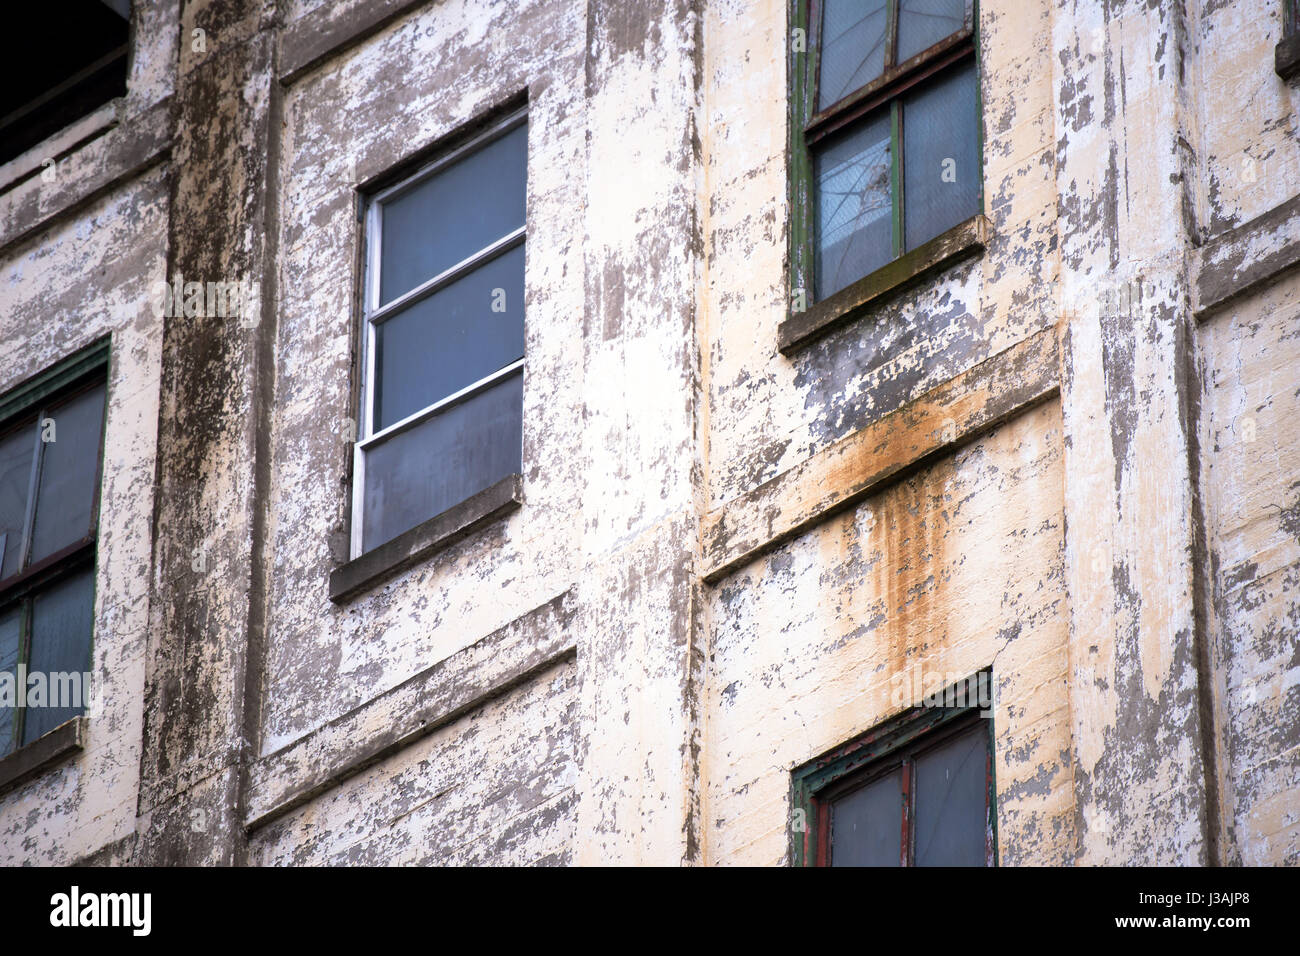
x,y
436,283
805,75
896,172
895,134
817,10
891,35
33,484
451,400
823,855
24,656
905,854
855,106
990,802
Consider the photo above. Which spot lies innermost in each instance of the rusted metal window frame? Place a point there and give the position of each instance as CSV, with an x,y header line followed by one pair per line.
x,y
891,745
808,125
25,407
374,313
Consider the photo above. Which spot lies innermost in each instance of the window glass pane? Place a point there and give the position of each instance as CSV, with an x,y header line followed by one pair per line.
x,y
424,470
65,497
852,48
867,824
923,23
450,339
15,475
941,172
61,629
951,798
9,636
453,214
854,214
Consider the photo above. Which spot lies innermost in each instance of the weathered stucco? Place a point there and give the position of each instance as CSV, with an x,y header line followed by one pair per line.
x,y
1068,458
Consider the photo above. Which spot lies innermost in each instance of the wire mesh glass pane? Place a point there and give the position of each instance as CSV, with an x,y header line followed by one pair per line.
x,y
453,214
923,23
951,801
10,635
941,170
854,225
16,451
867,824
424,470
852,48
451,339
62,621
65,498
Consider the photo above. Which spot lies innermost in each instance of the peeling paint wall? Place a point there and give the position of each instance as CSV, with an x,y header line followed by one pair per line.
x,y
1252,482
1033,461
854,622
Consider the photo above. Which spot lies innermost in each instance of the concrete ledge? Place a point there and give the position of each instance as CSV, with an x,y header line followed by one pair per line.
x,y
1246,258
1286,57
121,153
960,242
433,698
73,136
887,450
308,42
424,539
30,760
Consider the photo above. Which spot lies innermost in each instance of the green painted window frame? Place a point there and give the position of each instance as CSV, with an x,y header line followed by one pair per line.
x,y
85,369
807,124
814,783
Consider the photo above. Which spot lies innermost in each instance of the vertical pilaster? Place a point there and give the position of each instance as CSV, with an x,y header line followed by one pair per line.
x,y
202,690
1125,226
639,654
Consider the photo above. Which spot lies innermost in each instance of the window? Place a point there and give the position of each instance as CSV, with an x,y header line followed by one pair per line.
x,y
885,133
917,791
51,435
442,397
82,65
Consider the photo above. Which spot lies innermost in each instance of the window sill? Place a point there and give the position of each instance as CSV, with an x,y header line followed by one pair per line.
x,y
425,539
31,759
960,242
1286,57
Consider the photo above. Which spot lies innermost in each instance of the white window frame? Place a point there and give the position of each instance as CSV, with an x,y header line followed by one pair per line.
x,y
372,313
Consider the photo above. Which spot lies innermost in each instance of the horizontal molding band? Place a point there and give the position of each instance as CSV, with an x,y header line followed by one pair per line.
x,y
435,697
333,28
865,462
1245,259
126,150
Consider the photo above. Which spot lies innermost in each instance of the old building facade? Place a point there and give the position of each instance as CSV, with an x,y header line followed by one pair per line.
x,y
754,521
